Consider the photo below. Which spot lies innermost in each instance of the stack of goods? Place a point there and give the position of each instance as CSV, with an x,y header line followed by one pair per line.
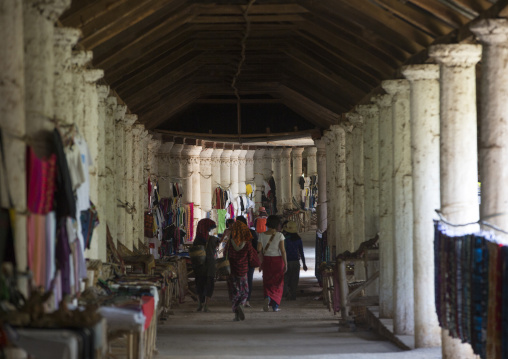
x,y
471,272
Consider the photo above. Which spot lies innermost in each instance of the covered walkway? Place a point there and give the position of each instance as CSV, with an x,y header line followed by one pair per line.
x,y
303,328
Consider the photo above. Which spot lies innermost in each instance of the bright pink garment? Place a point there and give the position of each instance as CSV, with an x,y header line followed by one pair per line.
x,y
273,278
41,182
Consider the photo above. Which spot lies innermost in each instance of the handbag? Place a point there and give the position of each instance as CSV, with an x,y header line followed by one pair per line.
x,y
261,255
223,266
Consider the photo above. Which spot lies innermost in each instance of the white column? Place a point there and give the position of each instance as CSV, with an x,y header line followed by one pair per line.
x,y
249,166
196,184
146,176
138,167
386,230
493,35
129,121
331,152
234,166
97,144
277,175
403,320
206,179
12,113
259,164
322,220
142,201
225,169
297,172
64,40
174,163
216,168
121,214
186,173
38,31
285,178
424,81
242,174
110,106
310,155
105,174
163,160
346,189
458,145
152,161
370,115
336,186
357,206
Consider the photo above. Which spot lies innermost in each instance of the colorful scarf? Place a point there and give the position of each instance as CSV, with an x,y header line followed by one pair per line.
x,y
241,233
204,227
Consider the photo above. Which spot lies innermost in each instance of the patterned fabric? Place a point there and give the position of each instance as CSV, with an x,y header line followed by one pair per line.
x,y
241,233
238,288
204,227
240,260
469,290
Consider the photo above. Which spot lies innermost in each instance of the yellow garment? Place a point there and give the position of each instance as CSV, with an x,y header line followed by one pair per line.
x,y
249,189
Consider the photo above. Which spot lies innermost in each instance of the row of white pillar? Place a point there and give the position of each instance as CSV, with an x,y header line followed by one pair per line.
x,y
45,83
392,163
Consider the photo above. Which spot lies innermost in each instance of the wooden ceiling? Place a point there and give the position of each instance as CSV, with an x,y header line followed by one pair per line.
x,y
173,62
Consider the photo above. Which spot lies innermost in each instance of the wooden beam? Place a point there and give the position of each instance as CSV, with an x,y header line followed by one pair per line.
x,y
173,22
113,23
233,137
419,19
88,13
168,108
203,19
314,68
361,27
344,65
138,81
351,54
442,12
220,101
308,108
255,9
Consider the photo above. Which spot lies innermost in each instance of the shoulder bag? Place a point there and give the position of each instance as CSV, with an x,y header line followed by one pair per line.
x,y
261,254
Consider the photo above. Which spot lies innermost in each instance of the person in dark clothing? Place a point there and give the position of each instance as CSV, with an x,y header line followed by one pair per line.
x,y
250,273
241,256
294,252
205,274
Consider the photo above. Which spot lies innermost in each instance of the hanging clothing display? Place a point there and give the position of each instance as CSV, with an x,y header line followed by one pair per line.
x,y
470,276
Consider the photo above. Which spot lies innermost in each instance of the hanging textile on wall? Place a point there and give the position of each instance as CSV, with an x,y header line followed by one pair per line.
x,y
221,220
189,221
470,275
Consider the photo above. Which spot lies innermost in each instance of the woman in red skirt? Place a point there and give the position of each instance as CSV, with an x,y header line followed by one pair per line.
x,y
274,266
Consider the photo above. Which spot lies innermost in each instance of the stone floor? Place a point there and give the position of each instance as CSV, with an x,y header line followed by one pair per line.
x,y
302,329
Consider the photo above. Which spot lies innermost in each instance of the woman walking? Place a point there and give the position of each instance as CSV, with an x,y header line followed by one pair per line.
x,y
294,253
274,266
205,274
241,255
250,273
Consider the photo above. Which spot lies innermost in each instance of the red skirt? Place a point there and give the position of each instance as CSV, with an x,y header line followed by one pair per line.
x,y
273,278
